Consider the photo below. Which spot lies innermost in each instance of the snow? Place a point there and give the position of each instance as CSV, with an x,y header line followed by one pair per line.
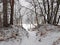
x,y
28,37
26,4
33,41
15,40
48,40
28,26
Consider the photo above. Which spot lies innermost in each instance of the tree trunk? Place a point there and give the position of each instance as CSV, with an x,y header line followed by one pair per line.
x,y
0,21
12,9
51,15
48,15
55,17
5,21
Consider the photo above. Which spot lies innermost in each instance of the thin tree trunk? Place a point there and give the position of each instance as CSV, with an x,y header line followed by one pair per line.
x,y
0,21
51,16
48,15
55,17
44,6
12,9
58,20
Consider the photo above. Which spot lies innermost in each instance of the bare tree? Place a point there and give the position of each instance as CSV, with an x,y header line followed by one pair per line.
x,y
50,11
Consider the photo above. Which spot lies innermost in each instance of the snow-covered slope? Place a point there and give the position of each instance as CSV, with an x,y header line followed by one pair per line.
x,y
12,36
35,40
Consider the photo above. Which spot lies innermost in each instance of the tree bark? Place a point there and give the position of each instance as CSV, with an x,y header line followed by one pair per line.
x,y
12,9
5,20
48,15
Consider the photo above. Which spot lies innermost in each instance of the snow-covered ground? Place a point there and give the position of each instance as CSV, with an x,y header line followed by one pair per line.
x,y
50,38
12,36
34,40
47,39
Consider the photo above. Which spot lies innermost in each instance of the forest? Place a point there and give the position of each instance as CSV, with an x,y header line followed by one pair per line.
x,y
29,22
